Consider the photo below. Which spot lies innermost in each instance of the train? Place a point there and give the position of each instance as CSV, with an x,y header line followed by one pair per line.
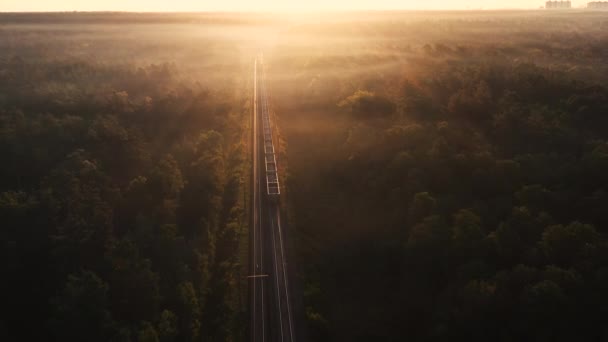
x,y
273,190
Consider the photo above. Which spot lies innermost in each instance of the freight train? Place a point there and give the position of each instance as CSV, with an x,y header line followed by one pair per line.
x,y
273,190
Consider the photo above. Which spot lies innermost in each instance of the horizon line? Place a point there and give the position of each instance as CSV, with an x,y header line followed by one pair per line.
x,y
295,11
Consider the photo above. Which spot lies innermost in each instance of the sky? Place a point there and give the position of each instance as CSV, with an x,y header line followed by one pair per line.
x,y
260,5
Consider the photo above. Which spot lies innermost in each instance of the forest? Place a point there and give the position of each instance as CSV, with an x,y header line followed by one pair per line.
x,y
123,180
445,174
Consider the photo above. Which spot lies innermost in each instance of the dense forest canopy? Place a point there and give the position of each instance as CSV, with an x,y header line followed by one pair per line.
x,y
445,174
122,190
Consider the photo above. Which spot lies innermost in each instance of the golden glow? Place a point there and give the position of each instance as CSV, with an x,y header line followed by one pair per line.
x,y
261,5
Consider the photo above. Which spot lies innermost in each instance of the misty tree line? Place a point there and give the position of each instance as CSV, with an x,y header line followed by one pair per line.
x,y
121,196
460,186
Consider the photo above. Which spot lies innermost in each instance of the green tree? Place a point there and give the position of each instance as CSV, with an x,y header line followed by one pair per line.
x,y
367,105
167,326
166,178
423,205
568,244
188,311
80,311
467,229
134,289
147,333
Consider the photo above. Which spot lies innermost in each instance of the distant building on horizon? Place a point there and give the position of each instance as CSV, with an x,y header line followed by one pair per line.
x,y
598,5
558,4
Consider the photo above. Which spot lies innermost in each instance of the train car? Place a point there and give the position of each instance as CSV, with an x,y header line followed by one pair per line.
x,y
272,178
273,190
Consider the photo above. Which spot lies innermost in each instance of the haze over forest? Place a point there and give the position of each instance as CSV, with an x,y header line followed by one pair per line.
x,y
444,175
265,5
